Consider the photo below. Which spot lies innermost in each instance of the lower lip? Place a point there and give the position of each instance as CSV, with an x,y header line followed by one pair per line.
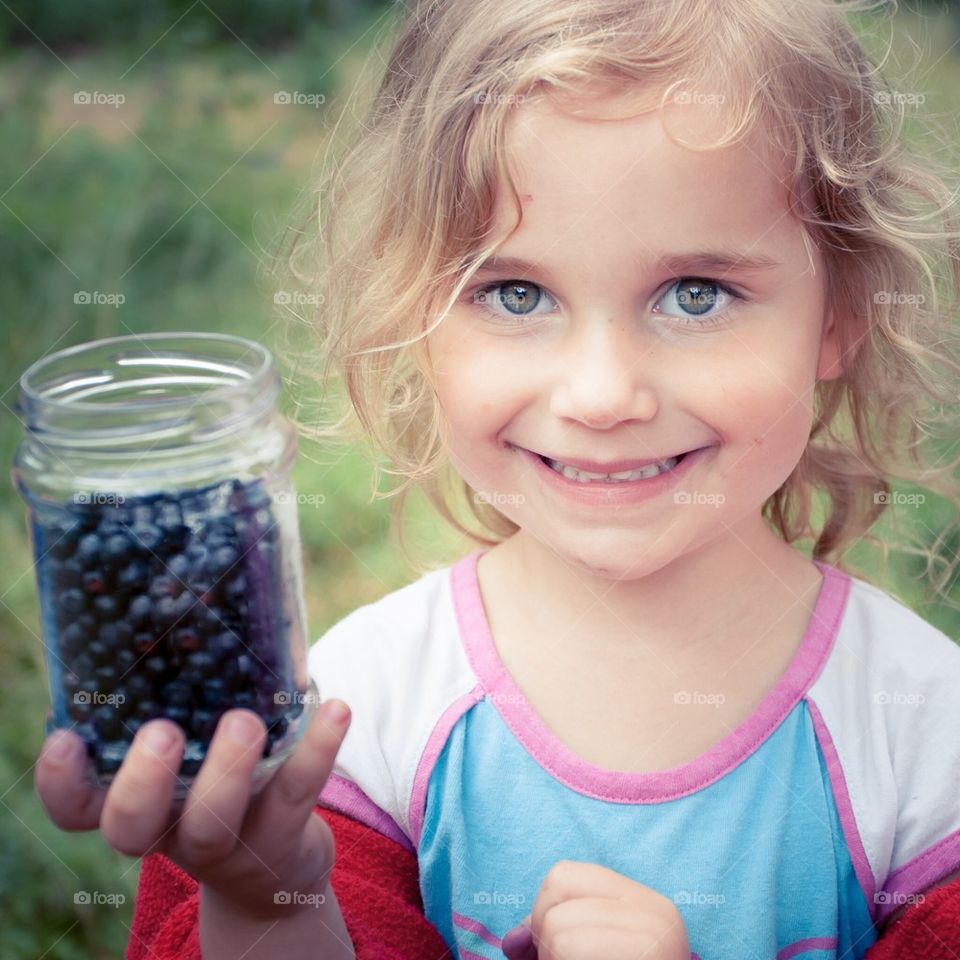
x,y
600,493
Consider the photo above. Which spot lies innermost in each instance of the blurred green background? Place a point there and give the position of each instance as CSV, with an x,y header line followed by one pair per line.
x,y
175,198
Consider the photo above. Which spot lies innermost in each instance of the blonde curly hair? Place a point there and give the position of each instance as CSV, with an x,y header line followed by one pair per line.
x,y
404,216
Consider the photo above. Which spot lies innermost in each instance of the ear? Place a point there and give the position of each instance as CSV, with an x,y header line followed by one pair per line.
x,y
830,364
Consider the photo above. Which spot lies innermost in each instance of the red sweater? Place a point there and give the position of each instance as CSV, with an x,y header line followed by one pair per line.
x,y
376,884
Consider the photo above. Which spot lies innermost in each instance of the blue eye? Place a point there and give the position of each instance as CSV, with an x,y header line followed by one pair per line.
x,y
694,297
519,298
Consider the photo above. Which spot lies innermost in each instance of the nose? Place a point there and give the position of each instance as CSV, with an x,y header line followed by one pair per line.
x,y
605,378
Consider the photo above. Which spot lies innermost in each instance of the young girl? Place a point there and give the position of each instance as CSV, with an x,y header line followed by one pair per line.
x,y
638,279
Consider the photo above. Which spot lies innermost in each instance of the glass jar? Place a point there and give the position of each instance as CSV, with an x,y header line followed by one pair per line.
x,y
156,471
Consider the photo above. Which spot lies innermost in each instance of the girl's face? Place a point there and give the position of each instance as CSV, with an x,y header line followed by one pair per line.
x,y
623,337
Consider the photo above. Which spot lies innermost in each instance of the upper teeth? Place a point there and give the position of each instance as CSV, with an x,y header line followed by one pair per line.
x,y
582,476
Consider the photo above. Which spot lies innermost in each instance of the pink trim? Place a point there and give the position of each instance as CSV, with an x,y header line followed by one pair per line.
x,y
920,873
848,819
346,797
802,946
475,926
658,786
428,759
468,954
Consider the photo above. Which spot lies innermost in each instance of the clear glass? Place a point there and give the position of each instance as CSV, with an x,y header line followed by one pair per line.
x,y
156,472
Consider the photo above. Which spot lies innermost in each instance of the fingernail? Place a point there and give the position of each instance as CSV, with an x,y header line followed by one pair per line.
x,y
60,748
241,728
337,712
158,737
519,941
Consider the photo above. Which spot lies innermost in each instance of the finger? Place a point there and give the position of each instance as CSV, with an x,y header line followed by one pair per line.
x,y
289,798
601,941
137,811
217,802
572,879
71,802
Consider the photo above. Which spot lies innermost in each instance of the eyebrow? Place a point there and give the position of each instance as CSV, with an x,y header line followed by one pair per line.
x,y
710,261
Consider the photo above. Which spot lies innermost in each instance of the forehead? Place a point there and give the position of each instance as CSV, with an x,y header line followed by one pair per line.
x,y
582,165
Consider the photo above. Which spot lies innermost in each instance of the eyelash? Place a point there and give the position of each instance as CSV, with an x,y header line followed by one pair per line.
x,y
713,320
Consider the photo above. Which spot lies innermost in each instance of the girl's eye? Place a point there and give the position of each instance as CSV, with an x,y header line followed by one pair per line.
x,y
519,298
694,298
699,302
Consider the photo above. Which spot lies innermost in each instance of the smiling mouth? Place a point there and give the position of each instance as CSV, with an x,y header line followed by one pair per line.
x,y
644,472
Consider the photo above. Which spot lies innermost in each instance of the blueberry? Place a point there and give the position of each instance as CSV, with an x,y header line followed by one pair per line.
x,y
116,550
72,639
148,710
144,643
221,560
79,709
245,698
146,537
98,651
155,666
180,715
140,611
72,601
139,687
135,576
88,550
93,582
185,640
203,723
67,573
202,662
107,677
125,661
179,567
214,693
106,607
177,693
164,586
165,612
62,539
107,722
225,645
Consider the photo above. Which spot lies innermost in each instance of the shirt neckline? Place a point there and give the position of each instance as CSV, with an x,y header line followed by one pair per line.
x,y
660,785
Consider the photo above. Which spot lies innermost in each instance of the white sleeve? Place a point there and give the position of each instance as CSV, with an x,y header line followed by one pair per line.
x,y
396,664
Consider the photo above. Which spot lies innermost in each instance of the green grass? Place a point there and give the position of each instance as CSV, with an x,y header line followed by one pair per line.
x,y
172,200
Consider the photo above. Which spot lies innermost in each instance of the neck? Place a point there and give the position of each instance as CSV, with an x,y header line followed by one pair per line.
x,y
747,578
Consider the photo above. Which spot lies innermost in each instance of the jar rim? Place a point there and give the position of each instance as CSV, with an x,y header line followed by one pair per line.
x,y
33,396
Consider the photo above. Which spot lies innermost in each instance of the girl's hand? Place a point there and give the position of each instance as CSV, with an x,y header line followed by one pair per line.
x,y
587,912
249,854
